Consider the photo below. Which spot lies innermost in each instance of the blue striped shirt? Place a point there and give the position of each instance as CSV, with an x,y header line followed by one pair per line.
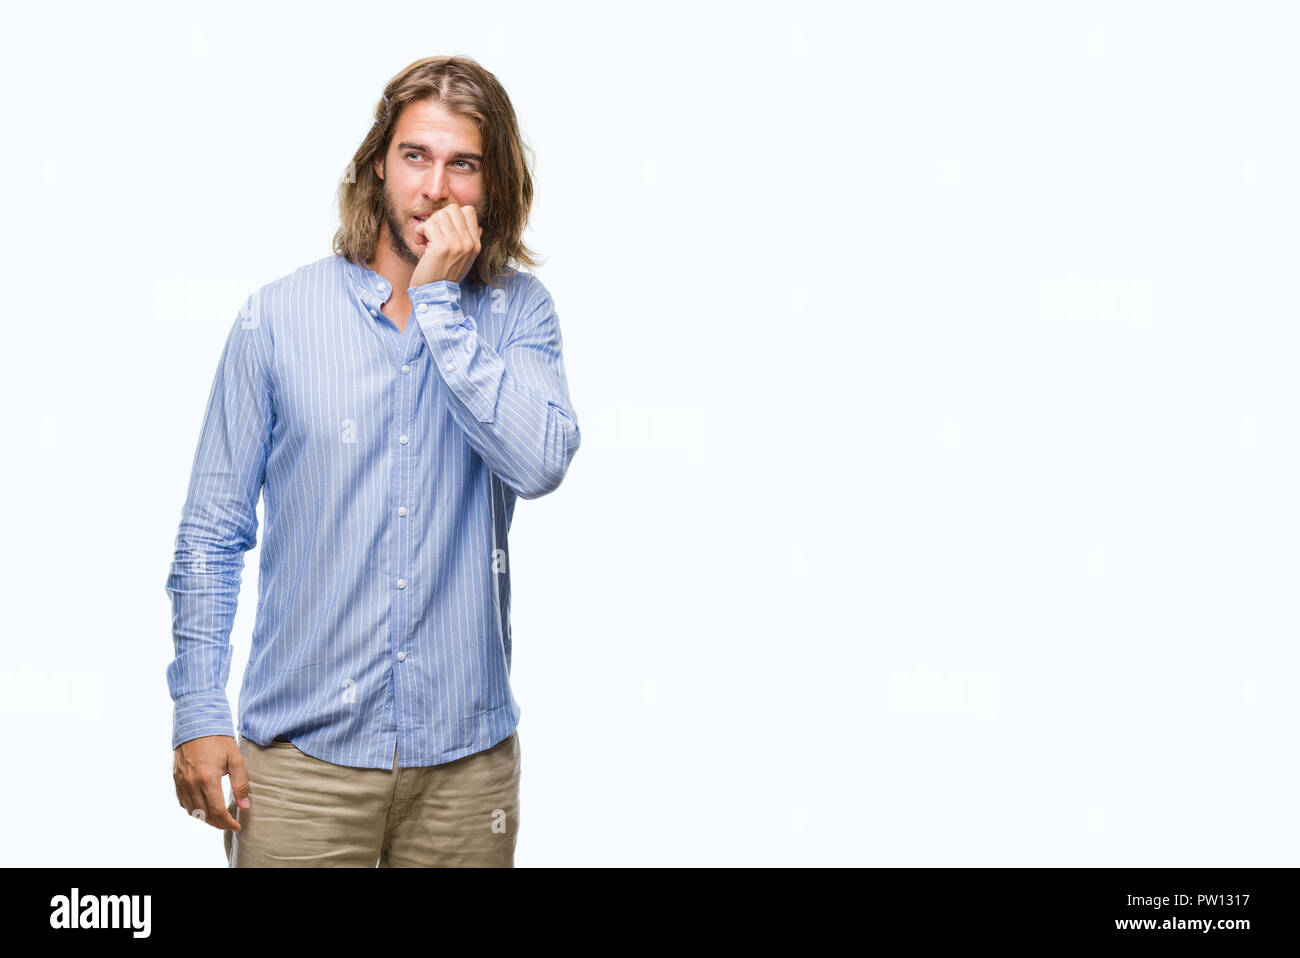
x,y
389,463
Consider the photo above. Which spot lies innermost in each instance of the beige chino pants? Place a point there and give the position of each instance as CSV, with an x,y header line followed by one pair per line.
x,y
307,813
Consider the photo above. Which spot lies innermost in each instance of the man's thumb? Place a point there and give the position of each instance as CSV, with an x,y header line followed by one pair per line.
x,y
239,780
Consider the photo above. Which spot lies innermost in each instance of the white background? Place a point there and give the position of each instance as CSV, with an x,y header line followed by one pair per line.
x,y
936,501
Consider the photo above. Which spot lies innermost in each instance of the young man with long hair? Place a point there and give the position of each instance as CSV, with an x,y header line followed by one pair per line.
x,y
377,725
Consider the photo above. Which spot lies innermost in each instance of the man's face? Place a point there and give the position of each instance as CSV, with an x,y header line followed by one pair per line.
x,y
434,159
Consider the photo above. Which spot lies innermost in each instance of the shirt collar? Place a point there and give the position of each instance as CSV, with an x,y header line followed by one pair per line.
x,y
371,286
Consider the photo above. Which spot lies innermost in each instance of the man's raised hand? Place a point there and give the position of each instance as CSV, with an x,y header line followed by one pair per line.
x,y
452,243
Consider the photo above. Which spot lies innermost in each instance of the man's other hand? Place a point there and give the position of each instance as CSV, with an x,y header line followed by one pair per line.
x,y
200,764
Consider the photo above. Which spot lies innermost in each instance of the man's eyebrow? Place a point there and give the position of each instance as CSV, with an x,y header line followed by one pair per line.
x,y
424,149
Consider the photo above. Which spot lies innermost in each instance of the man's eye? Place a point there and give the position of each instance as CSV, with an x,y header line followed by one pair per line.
x,y
468,164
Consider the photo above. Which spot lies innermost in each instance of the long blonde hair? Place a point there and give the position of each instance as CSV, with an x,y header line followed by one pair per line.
x,y
462,86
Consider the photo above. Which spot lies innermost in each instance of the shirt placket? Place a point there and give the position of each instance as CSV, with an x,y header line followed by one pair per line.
x,y
404,350
406,573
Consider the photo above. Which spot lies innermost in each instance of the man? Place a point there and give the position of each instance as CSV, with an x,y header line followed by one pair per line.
x,y
376,720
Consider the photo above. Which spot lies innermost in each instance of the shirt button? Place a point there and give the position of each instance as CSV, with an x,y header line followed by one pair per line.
x,y
381,287
402,440
421,307
401,583
406,369
401,510
401,656
373,313
449,367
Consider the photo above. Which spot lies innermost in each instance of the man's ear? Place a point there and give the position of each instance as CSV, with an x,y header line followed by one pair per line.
x,y
379,167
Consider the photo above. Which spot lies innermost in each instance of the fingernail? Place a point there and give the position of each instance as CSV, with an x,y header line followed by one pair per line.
x,y
244,802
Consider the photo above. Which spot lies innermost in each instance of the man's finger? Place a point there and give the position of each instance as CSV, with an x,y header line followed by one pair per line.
x,y
238,778
456,220
183,794
214,805
472,230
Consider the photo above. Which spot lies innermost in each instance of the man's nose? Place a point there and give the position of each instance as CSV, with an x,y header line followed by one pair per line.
x,y
436,183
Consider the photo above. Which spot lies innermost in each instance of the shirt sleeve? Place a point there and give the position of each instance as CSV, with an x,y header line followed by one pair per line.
x,y
513,405
218,525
